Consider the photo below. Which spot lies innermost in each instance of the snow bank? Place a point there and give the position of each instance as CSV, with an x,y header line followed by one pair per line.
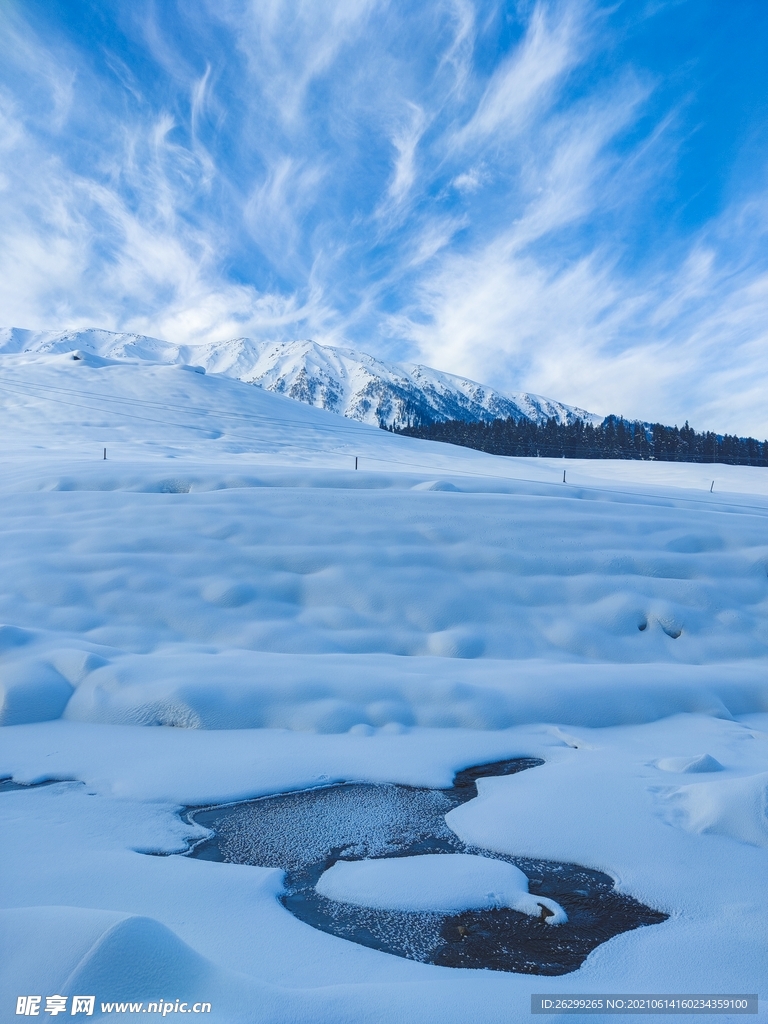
x,y
441,883
336,693
732,807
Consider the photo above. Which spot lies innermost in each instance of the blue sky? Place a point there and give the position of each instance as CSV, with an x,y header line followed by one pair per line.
x,y
563,197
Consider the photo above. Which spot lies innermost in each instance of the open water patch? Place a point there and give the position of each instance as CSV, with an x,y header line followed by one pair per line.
x,y
305,833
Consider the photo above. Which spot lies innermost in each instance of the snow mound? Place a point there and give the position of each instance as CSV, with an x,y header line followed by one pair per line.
x,y
435,485
118,956
437,882
702,763
12,636
79,950
737,808
139,958
31,691
42,946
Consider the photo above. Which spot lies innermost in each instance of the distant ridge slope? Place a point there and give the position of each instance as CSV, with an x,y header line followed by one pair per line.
x,y
340,380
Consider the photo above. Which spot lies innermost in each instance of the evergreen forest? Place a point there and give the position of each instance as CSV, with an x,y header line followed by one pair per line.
x,y
614,438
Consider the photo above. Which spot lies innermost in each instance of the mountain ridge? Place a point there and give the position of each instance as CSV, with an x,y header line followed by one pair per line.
x,y
341,380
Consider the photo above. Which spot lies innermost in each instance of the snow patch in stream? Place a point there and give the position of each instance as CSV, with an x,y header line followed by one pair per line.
x,y
440,883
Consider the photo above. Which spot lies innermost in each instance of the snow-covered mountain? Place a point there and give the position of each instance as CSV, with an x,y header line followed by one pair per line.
x,y
340,380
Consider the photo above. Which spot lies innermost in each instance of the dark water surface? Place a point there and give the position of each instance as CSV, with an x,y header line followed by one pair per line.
x,y
305,833
6,785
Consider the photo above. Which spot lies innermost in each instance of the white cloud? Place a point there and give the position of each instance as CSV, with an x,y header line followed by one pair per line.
x,y
275,207
526,81
469,181
435,236
289,45
691,344
365,173
458,55
405,140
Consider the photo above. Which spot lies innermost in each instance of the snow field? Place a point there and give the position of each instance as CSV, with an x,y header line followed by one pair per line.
x,y
317,598
284,621
198,610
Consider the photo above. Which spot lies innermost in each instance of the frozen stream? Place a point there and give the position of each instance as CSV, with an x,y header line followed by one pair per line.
x,y
306,832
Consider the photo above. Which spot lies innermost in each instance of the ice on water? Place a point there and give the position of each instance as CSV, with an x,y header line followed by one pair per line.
x,y
357,820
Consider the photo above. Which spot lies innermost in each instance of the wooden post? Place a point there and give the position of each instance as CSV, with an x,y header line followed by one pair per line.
x,y
712,487
105,454
563,476
355,462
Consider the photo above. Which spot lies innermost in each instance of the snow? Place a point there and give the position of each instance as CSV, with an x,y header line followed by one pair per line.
x,y
702,763
340,380
439,882
731,807
284,621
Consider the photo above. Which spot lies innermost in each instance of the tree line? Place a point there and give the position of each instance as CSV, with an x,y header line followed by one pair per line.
x,y
614,438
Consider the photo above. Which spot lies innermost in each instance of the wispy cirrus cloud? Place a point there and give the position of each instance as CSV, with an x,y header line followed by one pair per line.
x,y
405,140
490,189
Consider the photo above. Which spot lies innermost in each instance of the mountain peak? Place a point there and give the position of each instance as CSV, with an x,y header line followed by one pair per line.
x,y
341,380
